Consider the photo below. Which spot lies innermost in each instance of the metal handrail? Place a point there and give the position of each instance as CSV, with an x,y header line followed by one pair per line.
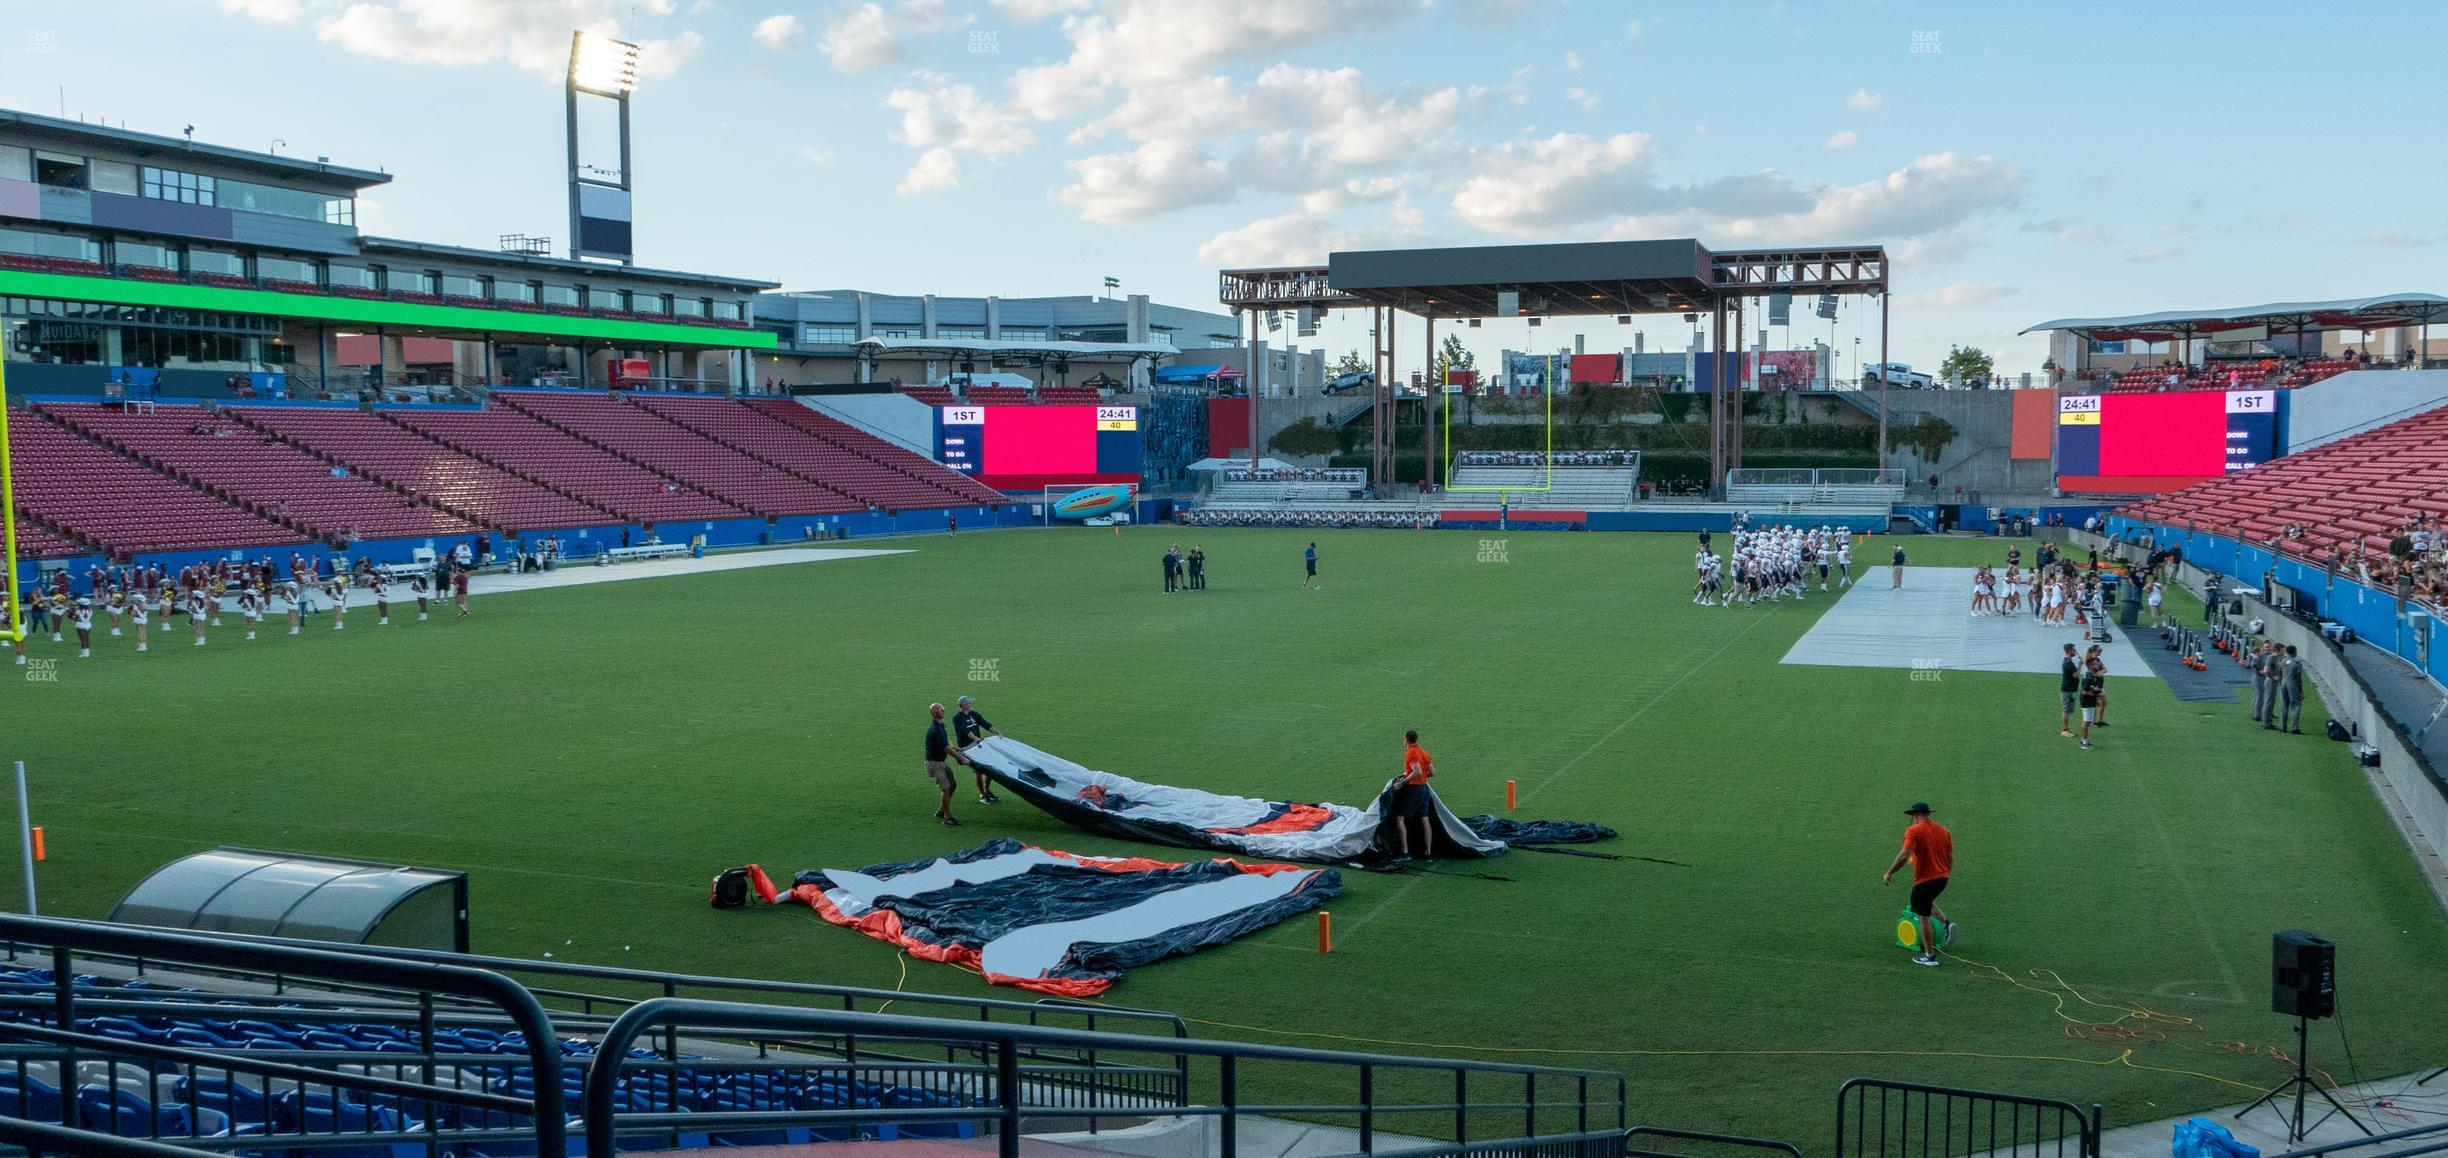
x,y
2087,1123
670,1015
1631,1151
671,982
2435,1129
255,955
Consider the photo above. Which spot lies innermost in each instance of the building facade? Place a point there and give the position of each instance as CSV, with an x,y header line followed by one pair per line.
x,y
818,334
158,264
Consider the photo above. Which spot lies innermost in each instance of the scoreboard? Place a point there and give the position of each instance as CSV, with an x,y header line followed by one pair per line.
x,y
2152,443
1025,448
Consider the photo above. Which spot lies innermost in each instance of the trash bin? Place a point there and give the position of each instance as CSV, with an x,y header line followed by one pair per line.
x,y
2129,612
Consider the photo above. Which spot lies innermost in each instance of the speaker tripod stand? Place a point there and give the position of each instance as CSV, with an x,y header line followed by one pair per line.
x,y
2297,1085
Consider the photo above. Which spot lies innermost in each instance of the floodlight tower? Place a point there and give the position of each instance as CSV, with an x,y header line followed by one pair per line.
x,y
599,198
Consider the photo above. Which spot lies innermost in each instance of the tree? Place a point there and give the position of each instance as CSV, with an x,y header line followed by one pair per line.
x,y
1350,363
1453,356
1966,364
1306,438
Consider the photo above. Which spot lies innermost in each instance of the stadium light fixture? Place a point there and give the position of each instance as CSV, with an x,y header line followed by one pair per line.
x,y
600,64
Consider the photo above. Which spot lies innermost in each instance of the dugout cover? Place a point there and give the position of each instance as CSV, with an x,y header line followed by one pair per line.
x,y
1057,922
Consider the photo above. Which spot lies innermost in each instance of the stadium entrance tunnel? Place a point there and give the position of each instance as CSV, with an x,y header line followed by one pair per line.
x,y
276,894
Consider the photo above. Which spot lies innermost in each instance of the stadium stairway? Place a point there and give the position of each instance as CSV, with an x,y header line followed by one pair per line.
x,y
890,469
82,488
548,456
684,455
391,454
2353,493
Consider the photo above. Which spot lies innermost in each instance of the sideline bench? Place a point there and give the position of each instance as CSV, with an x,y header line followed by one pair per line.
x,y
649,551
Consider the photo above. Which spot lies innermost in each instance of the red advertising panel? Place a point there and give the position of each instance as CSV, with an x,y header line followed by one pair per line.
x,y
2035,424
1039,440
2164,434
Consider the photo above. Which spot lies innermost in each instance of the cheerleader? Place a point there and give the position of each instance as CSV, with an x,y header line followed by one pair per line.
x,y
250,608
2014,592
59,615
116,606
296,599
140,613
381,583
84,628
2153,594
336,589
421,584
199,612
165,600
1981,591
216,585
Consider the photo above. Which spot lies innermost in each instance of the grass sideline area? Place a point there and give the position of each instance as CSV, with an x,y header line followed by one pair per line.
x,y
593,755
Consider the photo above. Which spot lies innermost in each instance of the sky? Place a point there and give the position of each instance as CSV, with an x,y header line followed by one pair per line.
x,y
2020,161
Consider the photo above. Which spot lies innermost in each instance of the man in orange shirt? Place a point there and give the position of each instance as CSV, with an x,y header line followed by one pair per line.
x,y
1931,849
1410,799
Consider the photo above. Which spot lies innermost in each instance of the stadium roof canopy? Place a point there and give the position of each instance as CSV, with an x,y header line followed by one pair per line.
x,y
979,348
2378,313
1677,275
170,150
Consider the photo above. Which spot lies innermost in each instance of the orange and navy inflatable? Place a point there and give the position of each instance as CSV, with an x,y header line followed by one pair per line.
x,y
1090,502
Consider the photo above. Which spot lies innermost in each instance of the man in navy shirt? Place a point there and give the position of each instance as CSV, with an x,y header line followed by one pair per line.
x,y
1309,557
968,727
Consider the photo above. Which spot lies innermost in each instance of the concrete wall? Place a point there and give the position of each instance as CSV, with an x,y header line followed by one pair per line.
x,y
2359,400
898,417
1977,457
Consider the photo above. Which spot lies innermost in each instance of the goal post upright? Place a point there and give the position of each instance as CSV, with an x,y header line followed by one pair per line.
x,y
8,514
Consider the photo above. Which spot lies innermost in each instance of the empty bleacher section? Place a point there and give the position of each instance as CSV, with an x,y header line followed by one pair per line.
x,y
444,477
931,395
1069,395
679,453
804,453
535,450
243,465
94,493
879,471
1586,480
211,1043
1797,488
2352,495
998,396
1305,497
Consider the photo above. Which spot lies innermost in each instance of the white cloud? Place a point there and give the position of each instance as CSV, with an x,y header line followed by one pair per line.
x,y
1026,12
1567,179
779,33
1299,238
937,168
1960,294
955,117
1572,60
1583,97
1156,177
2154,253
2385,239
1844,140
270,11
874,35
1634,29
816,154
530,36
1864,100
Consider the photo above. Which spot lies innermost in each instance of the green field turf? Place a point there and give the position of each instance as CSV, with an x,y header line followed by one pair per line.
x,y
593,755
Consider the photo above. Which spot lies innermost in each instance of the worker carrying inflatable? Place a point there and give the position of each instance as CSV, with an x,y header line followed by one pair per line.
x,y
1113,805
